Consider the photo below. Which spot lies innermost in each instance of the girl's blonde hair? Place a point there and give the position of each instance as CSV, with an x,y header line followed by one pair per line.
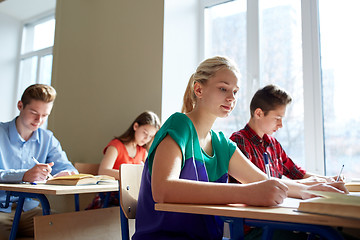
x,y
204,71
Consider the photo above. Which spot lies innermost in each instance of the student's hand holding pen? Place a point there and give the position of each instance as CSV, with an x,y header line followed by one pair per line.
x,y
266,193
39,172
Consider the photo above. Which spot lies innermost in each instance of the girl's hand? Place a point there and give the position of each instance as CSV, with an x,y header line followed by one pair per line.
x,y
338,187
315,180
319,179
267,193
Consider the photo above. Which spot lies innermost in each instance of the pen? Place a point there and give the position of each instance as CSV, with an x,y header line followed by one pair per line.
x,y
266,160
338,177
37,162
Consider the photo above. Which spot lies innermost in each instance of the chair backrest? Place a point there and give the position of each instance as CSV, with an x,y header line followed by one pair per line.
x,y
130,179
89,168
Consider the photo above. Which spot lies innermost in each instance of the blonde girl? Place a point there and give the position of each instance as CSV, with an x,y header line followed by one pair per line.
x,y
190,163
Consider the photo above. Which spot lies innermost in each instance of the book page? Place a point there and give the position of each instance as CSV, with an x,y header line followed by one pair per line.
x,y
290,202
74,176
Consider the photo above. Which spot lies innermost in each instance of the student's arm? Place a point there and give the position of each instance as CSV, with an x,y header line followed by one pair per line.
x,y
107,163
296,188
245,171
167,187
319,178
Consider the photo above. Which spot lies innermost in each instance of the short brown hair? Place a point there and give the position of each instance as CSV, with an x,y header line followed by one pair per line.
x,y
40,92
269,98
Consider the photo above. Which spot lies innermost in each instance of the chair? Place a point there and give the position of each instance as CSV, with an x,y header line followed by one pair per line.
x,y
89,168
129,181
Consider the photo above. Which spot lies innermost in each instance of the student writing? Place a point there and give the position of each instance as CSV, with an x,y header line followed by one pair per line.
x,y
21,140
190,163
267,109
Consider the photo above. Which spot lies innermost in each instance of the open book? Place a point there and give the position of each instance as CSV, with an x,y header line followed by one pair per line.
x,y
332,203
81,179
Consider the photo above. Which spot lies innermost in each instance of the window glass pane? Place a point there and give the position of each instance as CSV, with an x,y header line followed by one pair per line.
x,y
44,34
225,34
39,35
339,65
46,69
27,74
281,64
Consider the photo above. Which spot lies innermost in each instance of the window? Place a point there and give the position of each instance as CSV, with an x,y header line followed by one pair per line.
x,y
225,34
279,59
339,57
281,64
274,41
36,53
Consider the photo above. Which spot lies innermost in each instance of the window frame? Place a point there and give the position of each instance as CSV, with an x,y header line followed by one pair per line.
x,y
37,53
313,116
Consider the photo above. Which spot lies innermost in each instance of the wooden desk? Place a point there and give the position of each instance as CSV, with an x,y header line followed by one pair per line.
x,y
59,189
38,191
272,214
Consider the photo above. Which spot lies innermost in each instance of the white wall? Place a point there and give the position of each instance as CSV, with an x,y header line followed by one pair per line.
x,y
9,40
181,51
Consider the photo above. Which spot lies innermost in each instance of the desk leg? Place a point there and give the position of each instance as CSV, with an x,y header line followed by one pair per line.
x,y
236,226
77,202
17,216
267,233
125,235
107,199
44,204
22,195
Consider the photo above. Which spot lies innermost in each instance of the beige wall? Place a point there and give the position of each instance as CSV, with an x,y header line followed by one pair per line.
x,y
107,69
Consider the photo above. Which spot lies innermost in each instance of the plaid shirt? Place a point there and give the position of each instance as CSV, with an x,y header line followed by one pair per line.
x,y
253,148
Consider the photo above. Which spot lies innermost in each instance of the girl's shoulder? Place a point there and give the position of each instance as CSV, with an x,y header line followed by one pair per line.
x,y
179,127
178,120
115,143
178,117
178,124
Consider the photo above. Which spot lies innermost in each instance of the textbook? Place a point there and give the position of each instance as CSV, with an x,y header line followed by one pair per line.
x,y
81,179
332,203
353,186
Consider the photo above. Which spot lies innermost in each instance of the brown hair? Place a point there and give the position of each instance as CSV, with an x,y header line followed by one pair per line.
x,y
145,118
269,98
40,92
204,71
